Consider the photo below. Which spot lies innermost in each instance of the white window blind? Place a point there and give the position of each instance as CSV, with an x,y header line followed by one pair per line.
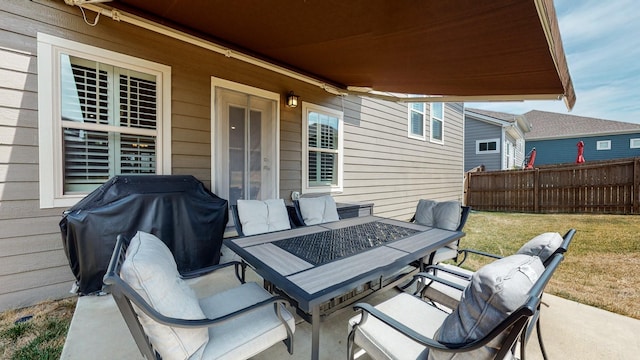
x,y
323,147
109,123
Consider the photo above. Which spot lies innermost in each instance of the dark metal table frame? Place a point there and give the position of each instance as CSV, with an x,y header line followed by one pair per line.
x,y
311,286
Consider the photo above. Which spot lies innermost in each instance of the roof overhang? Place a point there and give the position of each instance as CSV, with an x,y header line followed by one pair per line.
x,y
457,50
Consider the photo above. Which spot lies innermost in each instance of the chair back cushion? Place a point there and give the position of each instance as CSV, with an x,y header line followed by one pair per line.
x,y
495,291
318,210
149,268
443,215
258,216
542,246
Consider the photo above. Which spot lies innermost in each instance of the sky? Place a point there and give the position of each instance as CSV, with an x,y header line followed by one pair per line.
x,y
601,40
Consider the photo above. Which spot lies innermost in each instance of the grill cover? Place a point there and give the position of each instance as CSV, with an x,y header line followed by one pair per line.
x,y
177,209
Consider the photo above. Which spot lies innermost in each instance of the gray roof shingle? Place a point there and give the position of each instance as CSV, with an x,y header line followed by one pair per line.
x,y
554,125
494,114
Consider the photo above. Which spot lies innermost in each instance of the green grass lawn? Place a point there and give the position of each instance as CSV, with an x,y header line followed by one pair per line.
x,y
600,268
41,336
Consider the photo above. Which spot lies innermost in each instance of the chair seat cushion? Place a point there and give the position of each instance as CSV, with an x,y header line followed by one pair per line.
x,y
495,291
444,215
382,342
318,210
149,268
445,253
249,334
257,216
542,246
446,295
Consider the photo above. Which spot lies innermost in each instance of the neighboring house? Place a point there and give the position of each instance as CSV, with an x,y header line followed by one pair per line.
x,y
494,139
80,104
555,138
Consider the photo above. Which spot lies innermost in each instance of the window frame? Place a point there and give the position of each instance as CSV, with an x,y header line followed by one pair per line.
x,y
50,123
410,133
487,141
602,145
432,118
306,189
636,145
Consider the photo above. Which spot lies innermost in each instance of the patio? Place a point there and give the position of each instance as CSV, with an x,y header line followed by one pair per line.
x,y
595,334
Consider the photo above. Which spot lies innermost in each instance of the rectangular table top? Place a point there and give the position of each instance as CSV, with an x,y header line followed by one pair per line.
x,y
382,247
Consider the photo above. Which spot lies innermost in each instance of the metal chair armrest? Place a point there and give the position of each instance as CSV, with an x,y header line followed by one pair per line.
x,y
240,268
432,277
465,253
120,288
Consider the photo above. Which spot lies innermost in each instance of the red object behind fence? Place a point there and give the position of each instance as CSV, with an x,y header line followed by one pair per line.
x,y
580,158
532,159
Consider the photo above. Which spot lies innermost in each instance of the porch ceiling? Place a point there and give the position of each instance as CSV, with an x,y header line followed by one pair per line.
x,y
499,49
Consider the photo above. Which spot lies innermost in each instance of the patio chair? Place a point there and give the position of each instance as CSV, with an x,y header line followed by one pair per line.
x,y
495,314
453,279
252,217
448,215
543,246
168,321
316,210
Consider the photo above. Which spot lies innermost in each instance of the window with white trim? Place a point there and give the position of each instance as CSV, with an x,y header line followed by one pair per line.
x,y
488,146
437,122
322,149
634,143
416,121
106,118
603,145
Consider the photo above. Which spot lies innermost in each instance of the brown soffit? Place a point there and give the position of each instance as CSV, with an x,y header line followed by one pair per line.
x,y
462,50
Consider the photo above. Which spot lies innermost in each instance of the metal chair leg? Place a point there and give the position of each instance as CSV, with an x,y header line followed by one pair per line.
x,y
544,352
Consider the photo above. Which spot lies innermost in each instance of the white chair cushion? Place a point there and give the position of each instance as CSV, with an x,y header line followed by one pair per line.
x,y
318,210
257,216
381,342
149,268
495,291
248,335
542,246
446,295
445,253
444,215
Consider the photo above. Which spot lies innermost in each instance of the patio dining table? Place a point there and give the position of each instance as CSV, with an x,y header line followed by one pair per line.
x,y
313,265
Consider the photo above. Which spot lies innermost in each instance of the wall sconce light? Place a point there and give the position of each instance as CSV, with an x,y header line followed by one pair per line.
x,y
292,99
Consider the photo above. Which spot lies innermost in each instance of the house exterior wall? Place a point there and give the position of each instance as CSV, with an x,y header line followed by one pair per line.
x,y
510,160
479,130
382,165
520,152
559,151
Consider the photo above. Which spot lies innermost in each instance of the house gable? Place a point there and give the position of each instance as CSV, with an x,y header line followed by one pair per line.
x,y
510,129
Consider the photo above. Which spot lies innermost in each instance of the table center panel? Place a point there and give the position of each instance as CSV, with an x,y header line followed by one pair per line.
x,y
326,246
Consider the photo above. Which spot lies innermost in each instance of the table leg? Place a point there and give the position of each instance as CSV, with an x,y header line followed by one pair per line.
x,y
315,332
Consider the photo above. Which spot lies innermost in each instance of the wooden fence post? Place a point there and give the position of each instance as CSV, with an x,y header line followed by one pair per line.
x,y
466,182
635,201
536,191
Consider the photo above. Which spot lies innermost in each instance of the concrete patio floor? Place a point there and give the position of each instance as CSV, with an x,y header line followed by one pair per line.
x,y
570,330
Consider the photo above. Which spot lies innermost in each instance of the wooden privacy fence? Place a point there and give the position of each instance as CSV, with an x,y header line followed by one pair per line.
x,y
607,187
